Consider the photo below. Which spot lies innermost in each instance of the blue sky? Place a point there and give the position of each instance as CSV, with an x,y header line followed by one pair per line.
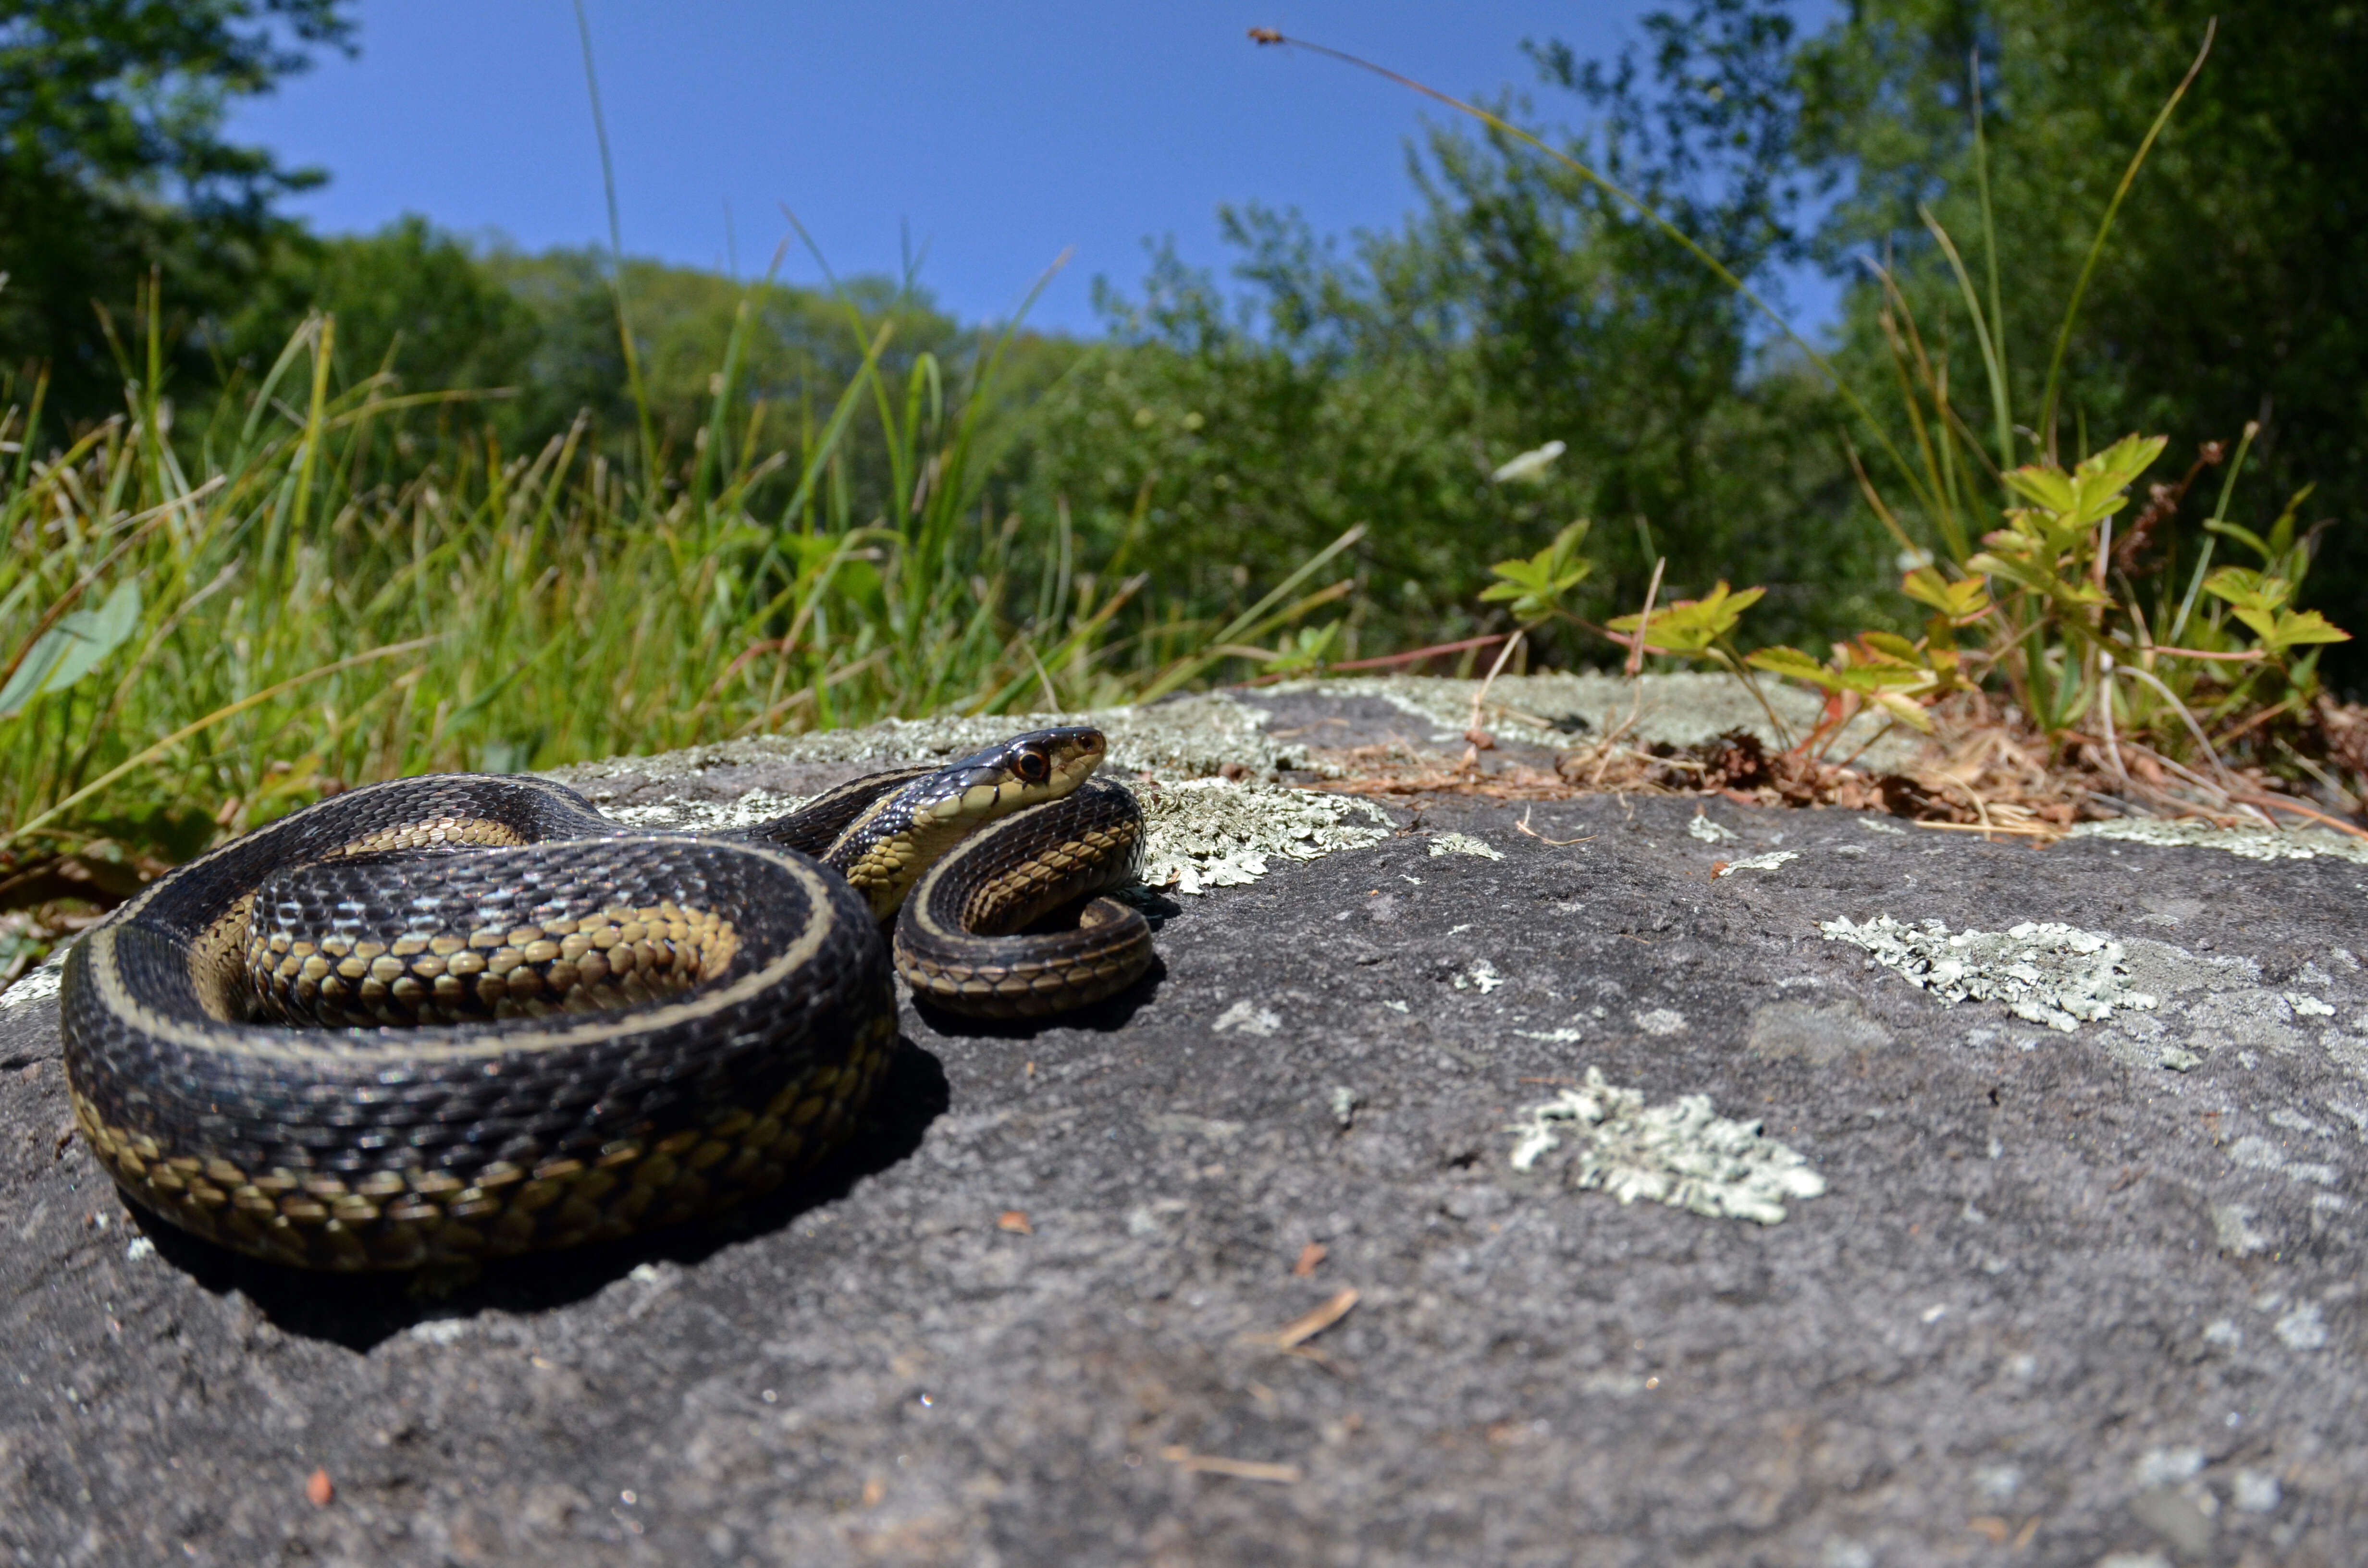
x,y
999,134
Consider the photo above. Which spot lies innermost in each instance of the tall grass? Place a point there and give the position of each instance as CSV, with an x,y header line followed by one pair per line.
x,y
209,626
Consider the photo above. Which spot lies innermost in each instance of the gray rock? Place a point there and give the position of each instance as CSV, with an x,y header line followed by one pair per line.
x,y
2038,1263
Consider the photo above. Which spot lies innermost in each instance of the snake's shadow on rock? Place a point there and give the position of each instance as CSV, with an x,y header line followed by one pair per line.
x,y
358,1311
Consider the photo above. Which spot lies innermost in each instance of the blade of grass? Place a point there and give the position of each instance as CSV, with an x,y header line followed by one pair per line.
x,y
2096,246
617,258
149,754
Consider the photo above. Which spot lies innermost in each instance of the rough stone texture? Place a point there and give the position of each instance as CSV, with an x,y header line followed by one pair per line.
x,y
2067,1295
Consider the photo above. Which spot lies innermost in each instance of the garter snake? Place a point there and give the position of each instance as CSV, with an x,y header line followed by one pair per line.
x,y
461,1017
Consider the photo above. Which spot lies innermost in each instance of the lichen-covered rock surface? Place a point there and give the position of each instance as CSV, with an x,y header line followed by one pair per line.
x,y
1820,1253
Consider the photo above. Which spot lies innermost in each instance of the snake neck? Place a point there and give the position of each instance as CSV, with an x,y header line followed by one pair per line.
x,y
888,846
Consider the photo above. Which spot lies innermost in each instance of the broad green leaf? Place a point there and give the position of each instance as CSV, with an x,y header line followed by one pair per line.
x,y
2247,589
1894,646
1536,586
73,648
2089,494
1865,679
2078,591
1691,626
2051,487
2014,570
1791,662
2118,466
1959,601
2287,628
2307,626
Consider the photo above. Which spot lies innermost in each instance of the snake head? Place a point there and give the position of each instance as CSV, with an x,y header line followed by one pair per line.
x,y
1043,764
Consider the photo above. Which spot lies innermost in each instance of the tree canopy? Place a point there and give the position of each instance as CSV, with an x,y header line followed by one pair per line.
x,y
113,161
2230,288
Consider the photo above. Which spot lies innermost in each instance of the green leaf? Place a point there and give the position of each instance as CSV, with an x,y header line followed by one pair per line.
x,y
1306,650
1691,626
2307,626
2243,536
2287,628
2248,590
1537,587
2014,570
73,648
2118,466
1791,663
1959,601
2048,486
2077,502
1869,680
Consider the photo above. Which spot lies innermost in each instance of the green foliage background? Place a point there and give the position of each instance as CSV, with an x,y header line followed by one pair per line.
x,y
1225,428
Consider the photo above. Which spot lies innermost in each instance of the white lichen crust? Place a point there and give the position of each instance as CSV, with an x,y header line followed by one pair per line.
x,y
1211,833
2253,844
1187,738
1204,829
1684,1154
2052,974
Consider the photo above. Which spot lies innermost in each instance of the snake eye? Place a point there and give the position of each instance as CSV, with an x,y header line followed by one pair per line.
x,y
1032,768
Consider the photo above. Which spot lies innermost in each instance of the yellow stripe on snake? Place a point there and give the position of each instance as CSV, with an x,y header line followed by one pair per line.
x,y
457,1018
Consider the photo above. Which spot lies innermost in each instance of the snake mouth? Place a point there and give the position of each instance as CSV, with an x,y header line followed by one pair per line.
x,y
1025,770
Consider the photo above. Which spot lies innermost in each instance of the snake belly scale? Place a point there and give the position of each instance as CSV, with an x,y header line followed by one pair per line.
x,y
456,1017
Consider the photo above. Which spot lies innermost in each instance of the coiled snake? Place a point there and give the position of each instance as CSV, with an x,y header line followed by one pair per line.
x,y
456,1017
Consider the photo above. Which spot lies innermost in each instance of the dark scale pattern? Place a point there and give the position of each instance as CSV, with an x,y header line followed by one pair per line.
x,y
534,932
455,1017
955,943
388,1147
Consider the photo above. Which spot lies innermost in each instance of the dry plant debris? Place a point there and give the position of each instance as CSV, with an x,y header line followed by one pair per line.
x,y
1983,769
1185,1458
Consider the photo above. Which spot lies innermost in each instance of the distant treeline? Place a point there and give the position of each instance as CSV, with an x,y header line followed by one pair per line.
x,y
1224,429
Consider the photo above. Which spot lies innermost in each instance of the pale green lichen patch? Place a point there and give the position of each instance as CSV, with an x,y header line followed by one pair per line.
x,y
1198,833
1192,737
1463,844
39,985
1202,829
1210,832
1682,707
2253,844
1767,862
1682,1153
2049,973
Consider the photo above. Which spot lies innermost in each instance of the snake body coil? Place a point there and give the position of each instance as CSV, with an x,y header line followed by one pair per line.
x,y
456,1017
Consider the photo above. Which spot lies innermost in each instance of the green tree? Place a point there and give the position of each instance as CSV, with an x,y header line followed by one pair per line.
x,y
1386,380
2230,289
112,161
410,299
